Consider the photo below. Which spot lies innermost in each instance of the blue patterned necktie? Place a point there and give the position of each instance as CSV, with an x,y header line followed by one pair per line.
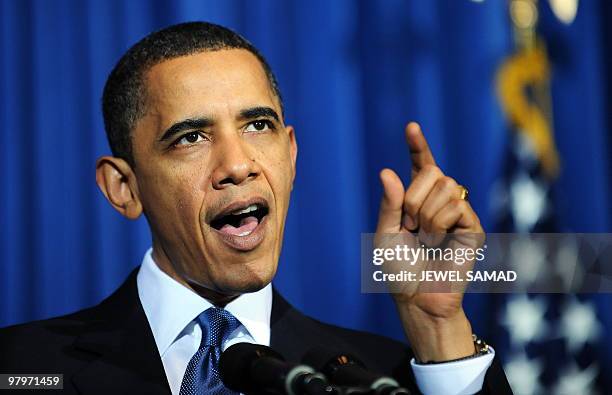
x,y
202,373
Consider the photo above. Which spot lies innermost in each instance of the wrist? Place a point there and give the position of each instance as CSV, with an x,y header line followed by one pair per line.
x,y
438,339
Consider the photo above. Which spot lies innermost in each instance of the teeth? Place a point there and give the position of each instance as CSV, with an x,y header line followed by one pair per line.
x,y
246,233
252,207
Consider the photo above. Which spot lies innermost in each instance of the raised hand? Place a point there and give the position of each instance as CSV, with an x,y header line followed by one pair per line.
x,y
432,207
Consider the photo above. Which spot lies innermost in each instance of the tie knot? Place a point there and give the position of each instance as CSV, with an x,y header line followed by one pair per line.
x,y
217,324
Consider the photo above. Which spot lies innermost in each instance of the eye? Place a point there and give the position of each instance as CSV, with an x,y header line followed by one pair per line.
x,y
259,126
189,138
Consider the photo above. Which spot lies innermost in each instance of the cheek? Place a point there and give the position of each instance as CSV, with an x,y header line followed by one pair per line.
x,y
189,196
275,155
179,193
279,173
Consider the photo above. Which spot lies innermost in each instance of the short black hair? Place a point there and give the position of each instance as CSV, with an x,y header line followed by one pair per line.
x,y
124,97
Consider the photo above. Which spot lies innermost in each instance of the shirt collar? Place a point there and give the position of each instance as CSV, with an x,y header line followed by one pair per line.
x,y
170,306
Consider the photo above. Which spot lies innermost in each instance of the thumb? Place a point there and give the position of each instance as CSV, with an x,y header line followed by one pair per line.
x,y
390,214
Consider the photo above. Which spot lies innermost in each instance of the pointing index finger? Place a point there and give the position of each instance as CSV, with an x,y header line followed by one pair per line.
x,y
420,154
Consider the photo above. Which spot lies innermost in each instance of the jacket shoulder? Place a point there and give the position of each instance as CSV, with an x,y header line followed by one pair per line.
x,y
47,345
36,345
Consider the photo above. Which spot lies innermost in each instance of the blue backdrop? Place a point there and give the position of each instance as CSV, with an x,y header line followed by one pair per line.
x,y
352,73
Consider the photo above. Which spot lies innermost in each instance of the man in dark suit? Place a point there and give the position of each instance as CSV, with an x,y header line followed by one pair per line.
x,y
194,118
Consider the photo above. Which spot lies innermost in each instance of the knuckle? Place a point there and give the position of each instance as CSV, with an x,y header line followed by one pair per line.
x,y
450,182
425,224
425,216
447,183
437,223
432,170
458,204
411,204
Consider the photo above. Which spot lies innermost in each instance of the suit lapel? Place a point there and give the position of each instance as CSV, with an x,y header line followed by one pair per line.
x,y
122,340
290,331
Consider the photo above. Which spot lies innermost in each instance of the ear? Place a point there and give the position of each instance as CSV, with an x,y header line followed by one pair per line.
x,y
293,150
117,181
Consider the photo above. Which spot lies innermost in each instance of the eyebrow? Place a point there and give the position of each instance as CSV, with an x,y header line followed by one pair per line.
x,y
258,112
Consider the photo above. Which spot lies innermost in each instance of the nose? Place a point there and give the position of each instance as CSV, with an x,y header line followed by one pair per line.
x,y
234,165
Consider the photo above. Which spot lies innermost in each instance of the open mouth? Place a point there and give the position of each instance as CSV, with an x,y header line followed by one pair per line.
x,y
240,221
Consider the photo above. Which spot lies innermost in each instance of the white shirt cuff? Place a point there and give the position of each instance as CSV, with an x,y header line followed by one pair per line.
x,y
453,378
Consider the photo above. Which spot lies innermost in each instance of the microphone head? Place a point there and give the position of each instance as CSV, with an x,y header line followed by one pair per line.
x,y
323,359
345,369
236,362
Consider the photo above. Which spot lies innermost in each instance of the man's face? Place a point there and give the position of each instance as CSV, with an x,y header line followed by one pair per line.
x,y
214,167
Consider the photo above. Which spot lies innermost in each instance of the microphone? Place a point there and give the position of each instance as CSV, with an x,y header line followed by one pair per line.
x,y
346,370
253,368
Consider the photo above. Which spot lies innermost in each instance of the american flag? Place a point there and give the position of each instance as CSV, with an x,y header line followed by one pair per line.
x,y
548,343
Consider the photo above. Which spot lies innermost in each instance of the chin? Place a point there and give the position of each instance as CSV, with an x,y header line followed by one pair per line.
x,y
244,280
252,286
251,282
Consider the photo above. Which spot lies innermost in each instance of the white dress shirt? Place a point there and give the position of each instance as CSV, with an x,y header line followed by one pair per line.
x,y
172,308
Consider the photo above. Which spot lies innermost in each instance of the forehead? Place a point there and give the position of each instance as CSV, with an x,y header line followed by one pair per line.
x,y
217,80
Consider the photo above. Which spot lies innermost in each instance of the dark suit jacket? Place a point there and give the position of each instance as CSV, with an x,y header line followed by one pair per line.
x,y
110,349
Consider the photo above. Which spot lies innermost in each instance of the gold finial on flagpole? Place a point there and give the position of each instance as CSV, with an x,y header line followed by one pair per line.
x,y
523,85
